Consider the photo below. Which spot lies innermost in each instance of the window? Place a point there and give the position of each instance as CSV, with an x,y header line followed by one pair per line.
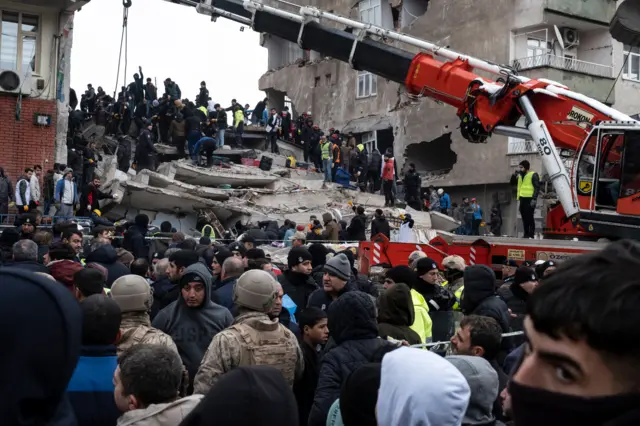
x,y
367,85
288,103
631,70
19,41
369,141
536,49
370,11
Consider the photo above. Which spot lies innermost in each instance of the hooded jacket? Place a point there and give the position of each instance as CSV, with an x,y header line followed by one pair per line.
x,y
134,241
357,228
30,381
192,329
331,228
420,388
250,395
352,321
64,270
107,257
483,383
169,414
480,298
380,225
164,293
396,314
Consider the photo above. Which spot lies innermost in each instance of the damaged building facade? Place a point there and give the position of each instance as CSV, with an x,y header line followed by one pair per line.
x,y
521,33
35,49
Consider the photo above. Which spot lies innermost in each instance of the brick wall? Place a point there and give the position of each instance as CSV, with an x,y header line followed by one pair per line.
x,y
22,143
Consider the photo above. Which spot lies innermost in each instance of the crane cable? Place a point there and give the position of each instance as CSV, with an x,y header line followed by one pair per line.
x,y
124,40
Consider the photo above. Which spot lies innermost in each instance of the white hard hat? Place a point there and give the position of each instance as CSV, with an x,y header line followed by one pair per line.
x,y
440,191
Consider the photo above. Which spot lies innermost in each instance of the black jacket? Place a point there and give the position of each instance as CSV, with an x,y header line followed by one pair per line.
x,y
30,266
380,225
375,165
480,298
221,119
164,292
298,287
352,321
134,241
412,183
193,124
305,388
203,97
357,228
91,196
322,300
107,257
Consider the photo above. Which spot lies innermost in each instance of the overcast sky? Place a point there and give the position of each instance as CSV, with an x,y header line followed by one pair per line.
x,y
167,40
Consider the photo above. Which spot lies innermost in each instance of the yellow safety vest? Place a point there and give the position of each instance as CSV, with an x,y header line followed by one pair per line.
x,y
525,186
422,323
204,110
326,150
360,147
457,294
211,233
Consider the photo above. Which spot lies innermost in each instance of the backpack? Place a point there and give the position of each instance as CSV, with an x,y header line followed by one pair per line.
x,y
275,348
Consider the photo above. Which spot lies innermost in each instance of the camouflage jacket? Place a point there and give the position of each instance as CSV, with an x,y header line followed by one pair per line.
x,y
136,328
253,339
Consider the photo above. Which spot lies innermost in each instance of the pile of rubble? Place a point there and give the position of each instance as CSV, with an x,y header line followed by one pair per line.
x,y
237,190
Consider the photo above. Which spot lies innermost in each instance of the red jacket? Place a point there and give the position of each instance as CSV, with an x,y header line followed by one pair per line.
x,y
387,170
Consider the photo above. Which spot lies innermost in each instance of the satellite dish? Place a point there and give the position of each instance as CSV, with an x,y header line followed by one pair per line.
x,y
559,36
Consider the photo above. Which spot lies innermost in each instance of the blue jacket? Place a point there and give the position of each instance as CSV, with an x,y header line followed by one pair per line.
x,y
225,293
287,237
196,148
91,387
445,201
265,115
477,214
60,191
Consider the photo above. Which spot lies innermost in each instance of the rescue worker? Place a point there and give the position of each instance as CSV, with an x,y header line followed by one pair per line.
x,y
124,153
373,171
23,191
203,96
325,149
134,296
453,271
178,133
145,149
445,202
412,184
528,188
254,338
336,154
380,225
238,123
387,180
439,299
91,195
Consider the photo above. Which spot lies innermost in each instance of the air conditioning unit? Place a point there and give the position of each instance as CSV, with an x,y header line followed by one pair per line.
x,y
12,82
570,37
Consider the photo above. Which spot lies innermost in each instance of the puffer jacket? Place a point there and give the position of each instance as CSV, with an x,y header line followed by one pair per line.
x,y
352,321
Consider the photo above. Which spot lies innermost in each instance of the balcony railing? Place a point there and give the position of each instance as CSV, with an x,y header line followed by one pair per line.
x,y
563,63
520,146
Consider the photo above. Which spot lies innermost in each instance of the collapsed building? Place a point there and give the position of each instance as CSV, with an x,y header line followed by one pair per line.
x,y
236,189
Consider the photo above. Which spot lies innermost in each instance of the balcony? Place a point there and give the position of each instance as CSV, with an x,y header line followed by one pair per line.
x,y
591,79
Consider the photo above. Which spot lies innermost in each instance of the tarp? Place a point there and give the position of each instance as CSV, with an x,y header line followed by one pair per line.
x,y
367,124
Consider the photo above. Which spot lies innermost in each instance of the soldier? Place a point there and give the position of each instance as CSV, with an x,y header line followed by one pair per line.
x,y
253,339
133,295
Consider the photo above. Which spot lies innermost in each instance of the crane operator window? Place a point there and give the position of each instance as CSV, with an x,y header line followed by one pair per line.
x,y
610,169
586,165
631,166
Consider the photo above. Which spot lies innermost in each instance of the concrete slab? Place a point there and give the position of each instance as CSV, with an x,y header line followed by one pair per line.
x,y
158,180
442,222
236,175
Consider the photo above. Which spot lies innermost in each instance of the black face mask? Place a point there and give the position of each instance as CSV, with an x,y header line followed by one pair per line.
x,y
535,407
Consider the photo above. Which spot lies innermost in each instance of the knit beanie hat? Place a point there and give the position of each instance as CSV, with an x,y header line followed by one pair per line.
x,y
142,220
222,255
132,293
297,255
255,253
425,265
339,266
318,253
255,290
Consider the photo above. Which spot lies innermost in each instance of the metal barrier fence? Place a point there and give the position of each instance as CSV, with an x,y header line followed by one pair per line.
x,y
441,345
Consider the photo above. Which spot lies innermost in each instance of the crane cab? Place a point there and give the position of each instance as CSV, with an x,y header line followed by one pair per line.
x,y
607,180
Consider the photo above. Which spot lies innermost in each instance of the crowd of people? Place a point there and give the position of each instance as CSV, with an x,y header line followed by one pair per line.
x,y
173,331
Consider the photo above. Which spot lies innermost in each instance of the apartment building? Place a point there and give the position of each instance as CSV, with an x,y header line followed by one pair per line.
x,y
562,40
35,45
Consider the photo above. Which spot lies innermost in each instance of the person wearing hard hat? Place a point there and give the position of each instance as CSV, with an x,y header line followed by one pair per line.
x,y
453,271
445,202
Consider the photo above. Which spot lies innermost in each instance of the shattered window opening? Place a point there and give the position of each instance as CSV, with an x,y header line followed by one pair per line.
x,y
434,157
328,79
316,83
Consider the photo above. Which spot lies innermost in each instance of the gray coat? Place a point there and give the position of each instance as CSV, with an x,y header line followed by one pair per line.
x,y
192,329
6,188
